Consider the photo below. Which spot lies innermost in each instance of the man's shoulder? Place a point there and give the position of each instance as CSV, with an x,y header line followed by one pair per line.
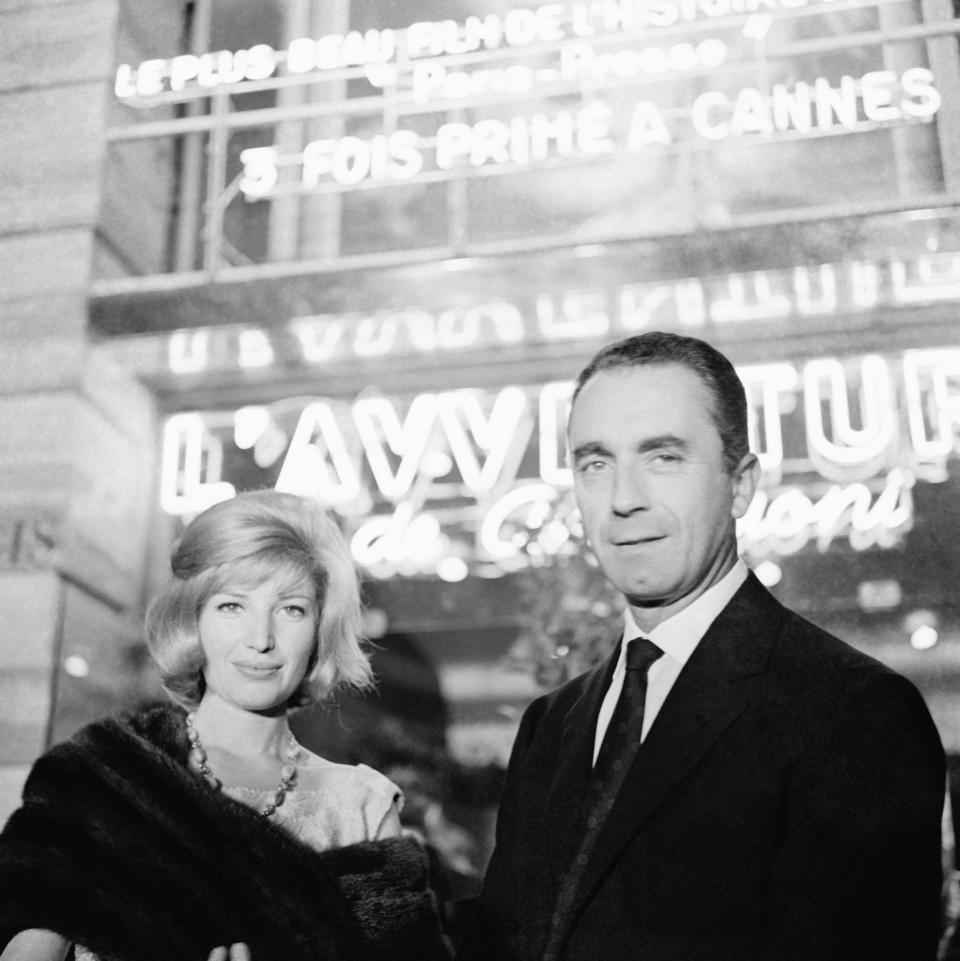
x,y
798,643
802,661
801,642
830,677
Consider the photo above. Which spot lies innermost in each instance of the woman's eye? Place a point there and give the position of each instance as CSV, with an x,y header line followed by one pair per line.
x,y
228,607
296,610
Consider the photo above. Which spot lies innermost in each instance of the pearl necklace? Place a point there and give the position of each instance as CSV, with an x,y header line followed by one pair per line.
x,y
288,771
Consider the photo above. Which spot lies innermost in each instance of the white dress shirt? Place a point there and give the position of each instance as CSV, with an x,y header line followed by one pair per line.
x,y
677,637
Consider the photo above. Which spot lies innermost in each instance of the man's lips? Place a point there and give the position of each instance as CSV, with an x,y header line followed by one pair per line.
x,y
636,540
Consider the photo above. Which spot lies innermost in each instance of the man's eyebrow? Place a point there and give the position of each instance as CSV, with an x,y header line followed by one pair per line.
x,y
591,448
662,441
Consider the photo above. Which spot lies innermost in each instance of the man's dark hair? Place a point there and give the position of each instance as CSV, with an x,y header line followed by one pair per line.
x,y
729,409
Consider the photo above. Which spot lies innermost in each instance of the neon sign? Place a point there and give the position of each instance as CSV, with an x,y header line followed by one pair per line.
x,y
583,79
376,50
853,104
481,476
690,303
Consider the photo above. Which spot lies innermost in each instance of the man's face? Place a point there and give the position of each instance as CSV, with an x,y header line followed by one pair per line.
x,y
658,504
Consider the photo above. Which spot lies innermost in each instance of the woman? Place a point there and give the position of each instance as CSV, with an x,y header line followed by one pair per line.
x,y
171,832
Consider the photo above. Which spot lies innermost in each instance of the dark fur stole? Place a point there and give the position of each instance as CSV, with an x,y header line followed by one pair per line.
x,y
119,847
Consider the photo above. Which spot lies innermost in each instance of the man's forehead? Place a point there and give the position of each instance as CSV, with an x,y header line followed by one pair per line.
x,y
663,387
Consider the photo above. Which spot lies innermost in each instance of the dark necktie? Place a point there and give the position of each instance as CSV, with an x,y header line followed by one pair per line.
x,y
621,741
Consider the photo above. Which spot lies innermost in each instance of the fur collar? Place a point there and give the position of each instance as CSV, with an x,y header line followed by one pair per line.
x,y
119,847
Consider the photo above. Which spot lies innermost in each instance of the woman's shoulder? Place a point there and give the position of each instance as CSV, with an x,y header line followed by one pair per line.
x,y
319,773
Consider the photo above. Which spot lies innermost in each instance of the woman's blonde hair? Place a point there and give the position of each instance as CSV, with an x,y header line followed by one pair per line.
x,y
248,539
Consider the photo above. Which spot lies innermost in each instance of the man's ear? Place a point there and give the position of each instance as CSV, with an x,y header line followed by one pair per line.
x,y
745,480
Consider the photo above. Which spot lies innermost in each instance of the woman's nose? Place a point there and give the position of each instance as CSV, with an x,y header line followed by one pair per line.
x,y
261,635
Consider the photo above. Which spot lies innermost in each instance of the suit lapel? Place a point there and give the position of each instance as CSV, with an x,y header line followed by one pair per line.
x,y
568,786
703,703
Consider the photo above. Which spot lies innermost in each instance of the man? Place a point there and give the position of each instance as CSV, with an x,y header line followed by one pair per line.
x,y
784,801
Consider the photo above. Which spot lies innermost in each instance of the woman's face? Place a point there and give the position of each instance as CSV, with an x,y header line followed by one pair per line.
x,y
257,641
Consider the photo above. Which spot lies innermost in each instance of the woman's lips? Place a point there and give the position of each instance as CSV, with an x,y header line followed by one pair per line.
x,y
256,670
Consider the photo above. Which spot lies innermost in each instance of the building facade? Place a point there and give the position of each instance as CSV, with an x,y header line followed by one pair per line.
x,y
359,251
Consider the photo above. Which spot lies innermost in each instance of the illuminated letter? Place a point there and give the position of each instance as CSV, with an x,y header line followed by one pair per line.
x,y
421,329
576,60
188,351
647,126
554,411
260,171
453,141
753,301
827,284
351,161
932,278
543,130
301,55
401,542
318,336
249,424
150,76
583,313
406,161
218,68
182,70
593,129
498,435
255,349
377,421
865,283
491,141
764,383
456,330
259,62
318,463
190,470
848,446
536,498
317,161
674,304
424,39
751,113
704,108
917,84
427,80
933,411
375,335
792,109
842,102
876,92
123,85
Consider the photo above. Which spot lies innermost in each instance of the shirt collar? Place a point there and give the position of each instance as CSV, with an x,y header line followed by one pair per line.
x,y
679,635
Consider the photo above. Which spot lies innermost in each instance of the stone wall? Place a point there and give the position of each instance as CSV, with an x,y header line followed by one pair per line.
x,y
77,456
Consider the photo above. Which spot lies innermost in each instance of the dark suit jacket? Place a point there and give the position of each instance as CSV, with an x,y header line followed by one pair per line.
x,y
785,806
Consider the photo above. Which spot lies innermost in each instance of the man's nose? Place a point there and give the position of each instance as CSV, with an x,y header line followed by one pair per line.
x,y
629,492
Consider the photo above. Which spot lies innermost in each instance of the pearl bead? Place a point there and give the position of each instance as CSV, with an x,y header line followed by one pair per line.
x,y
288,770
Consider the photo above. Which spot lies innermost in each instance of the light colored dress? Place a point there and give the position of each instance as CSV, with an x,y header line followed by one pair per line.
x,y
352,806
